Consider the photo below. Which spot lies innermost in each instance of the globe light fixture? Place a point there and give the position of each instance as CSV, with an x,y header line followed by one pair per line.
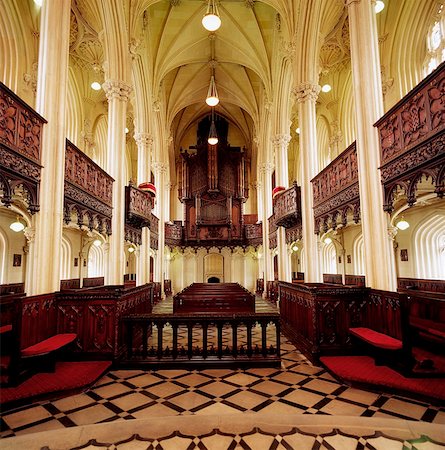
x,y
402,224
326,88
295,248
213,136
17,226
97,242
297,130
96,86
379,6
211,20
38,2
327,241
212,94
130,249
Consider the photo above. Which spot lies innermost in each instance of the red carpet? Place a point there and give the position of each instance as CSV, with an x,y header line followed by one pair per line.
x,y
68,376
361,369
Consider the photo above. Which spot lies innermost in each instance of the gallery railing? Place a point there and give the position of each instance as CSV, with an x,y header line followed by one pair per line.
x,y
412,140
336,191
287,207
242,340
20,148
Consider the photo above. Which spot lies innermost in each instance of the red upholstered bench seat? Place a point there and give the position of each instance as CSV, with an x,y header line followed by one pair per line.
x,y
376,339
49,345
5,328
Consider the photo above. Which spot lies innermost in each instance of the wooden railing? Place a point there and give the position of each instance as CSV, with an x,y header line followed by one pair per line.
x,y
287,207
72,283
153,341
133,234
20,148
253,233
350,280
336,191
419,284
317,317
173,234
273,240
412,140
154,232
12,288
137,207
95,316
88,191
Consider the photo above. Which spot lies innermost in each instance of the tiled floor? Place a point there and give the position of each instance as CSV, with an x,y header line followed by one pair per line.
x,y
296,388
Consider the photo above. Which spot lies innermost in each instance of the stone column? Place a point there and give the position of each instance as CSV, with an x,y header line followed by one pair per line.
x,y
44,268
144,141
117,93
306,95
266,170
160,171
280,144
367,90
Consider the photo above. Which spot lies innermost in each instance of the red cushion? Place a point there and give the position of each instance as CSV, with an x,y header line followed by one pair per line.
x,y
377,339
5,328
48,345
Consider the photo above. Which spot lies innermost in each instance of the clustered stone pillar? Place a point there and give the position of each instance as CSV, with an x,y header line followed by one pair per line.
x,y
265,170
379,257
160,171
144,141
280,143
306,95
117,93
44,270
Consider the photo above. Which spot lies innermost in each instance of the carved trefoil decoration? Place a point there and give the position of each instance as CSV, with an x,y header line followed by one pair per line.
x,y
20,146
412,140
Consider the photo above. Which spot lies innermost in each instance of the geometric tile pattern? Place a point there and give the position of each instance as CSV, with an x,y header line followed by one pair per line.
x,y
297,387
259,439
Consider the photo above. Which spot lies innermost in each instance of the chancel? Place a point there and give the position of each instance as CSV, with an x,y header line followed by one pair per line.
x,y
222,224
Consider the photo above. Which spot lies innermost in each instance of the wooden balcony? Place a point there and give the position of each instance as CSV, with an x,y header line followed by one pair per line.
x,y
253,233
336,191
137,207
88,191
154,232
412,140
173,234
273,239
287,207
20,149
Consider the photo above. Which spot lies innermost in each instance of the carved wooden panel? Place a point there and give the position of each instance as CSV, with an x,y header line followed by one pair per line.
x,y
173,234
20,143
137,207
287,207
412,141
294,233
87,191
132,234
254,234
336,191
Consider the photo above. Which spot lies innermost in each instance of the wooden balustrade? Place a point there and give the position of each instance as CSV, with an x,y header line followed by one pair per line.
x,y
20,148
153,341
287,207
404,284
88,191
336,191
154,232
133,234
253,233
138,206
273,240
173,234
412,140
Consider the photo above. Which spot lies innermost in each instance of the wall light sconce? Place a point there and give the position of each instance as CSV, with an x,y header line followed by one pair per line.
x,y
131,249
211,20
295,248
402,224
17,226
379,6
97,242
327,241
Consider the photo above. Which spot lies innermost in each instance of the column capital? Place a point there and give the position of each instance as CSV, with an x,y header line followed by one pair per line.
x,y
116,89
351,2
30,234
280,140
160,167
306,92
143,139
266,168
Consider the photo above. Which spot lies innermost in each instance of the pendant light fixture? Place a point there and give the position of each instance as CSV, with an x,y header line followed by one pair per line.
x,y
212,94
17,226
213,136
211,20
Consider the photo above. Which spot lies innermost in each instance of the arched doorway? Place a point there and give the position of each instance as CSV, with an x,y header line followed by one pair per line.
x,y
214,268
